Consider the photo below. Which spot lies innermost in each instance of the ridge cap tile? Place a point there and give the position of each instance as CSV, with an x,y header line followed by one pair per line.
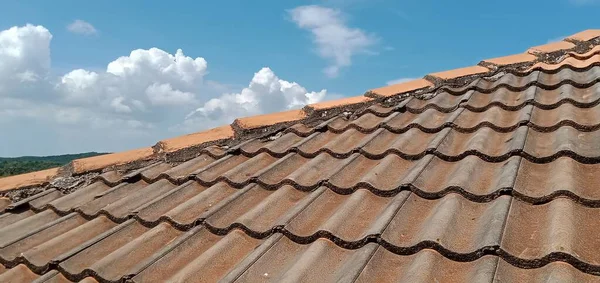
x,y
404,87
585,35
196,139
271,119
512,59
461,72
342,102
100,162
27,179
551,47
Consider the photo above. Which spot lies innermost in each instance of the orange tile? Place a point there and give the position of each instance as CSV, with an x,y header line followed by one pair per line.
x,y
586,35
259,121
461,72
512,59
215,134
593,51
102,161
27,180
402,87
571,61
551,47
340,102
4,202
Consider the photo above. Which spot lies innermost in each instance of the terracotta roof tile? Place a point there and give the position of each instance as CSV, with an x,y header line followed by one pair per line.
x,y
585,35
4,202
403,87
512,59
426,266
102,161
551,47
571,62
260,121
196,139
19,273
560,226
558,271
491,181
27,180
461,72
595,50
339,103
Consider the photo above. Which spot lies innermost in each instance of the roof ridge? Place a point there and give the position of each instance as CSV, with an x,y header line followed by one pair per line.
x,y
583,44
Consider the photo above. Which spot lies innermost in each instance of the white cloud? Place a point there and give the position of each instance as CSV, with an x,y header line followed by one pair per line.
x,y
24,56
266,93
335,40
135,101
399,81
164,94
118,105
82,27
156,63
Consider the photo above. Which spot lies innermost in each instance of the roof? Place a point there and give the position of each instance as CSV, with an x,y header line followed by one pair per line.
x,y
477,174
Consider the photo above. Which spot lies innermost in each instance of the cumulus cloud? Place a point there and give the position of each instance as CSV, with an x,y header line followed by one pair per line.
x,y
82,27
266,93
134,101
141,83
334,39
164,94
24,56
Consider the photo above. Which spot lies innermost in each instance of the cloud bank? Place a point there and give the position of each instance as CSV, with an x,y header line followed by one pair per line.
x,y
136,100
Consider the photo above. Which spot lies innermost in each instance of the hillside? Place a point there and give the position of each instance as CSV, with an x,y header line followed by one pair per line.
x,y
18,165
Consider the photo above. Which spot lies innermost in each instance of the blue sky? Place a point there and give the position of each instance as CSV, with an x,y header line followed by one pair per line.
x,y
404,39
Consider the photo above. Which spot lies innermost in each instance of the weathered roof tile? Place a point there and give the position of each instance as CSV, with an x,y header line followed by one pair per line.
x,y
551,47
27,180
99,162
339,103
196,139
585,35
512,59
461,72
404,87
260,121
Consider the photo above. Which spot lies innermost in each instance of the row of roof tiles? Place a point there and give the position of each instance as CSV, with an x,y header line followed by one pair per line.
x,y
245,127
501,111
425,266
430,177
305,230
